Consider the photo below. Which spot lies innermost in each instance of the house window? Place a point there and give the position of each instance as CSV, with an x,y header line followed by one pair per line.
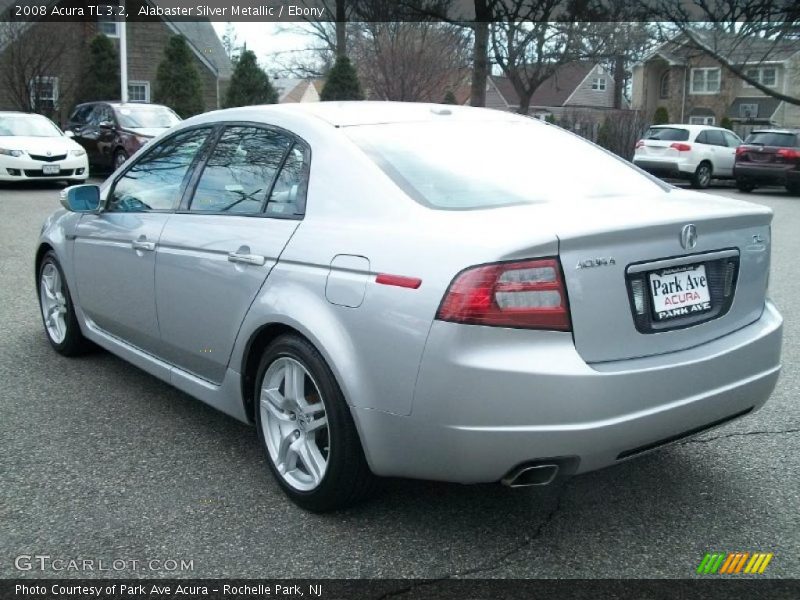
x,y
139,91
599,84
663,86
767,76
107,22
748,111
705,81
44,93
701,120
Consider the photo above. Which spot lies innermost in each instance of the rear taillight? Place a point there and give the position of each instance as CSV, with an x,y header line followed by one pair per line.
x,y
640,143
527,294
680,147
740,150
789,153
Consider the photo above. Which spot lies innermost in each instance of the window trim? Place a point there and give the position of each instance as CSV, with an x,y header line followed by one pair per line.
x,y
198,168
105,19
212,127
146,85
599,83
663,80
760,77
705,91
33,96
705,120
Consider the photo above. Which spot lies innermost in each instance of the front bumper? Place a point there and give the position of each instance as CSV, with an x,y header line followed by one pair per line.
x,y
490,399
73,168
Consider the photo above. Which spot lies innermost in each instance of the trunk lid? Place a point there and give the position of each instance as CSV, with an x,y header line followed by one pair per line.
x,y
657,149
610,248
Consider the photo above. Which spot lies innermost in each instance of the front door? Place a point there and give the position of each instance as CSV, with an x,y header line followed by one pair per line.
x,y
115,250
216,253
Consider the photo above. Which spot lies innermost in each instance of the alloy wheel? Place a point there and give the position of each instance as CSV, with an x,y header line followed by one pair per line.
x,y
295,424
53,303
704,175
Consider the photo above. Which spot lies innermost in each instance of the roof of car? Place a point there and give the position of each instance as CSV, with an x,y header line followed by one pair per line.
x,y
117,103
690,127
775,130
346,114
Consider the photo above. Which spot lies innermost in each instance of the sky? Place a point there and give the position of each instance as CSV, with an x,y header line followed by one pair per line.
x,y
266,39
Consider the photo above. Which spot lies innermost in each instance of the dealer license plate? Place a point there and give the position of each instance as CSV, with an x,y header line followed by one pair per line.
x,y
679,292
51,169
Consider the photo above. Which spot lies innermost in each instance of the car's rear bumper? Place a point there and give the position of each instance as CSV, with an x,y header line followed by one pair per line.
x,y
491,399
764,174
666,168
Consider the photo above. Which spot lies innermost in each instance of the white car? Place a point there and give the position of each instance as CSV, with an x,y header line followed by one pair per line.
x,y
32,147
693,152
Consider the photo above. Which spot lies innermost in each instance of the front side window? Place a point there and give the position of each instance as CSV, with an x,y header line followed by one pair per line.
x,y
705,81
155,181
715,138
240,171
463,165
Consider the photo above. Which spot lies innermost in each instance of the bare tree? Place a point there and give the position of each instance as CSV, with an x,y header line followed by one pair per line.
x,y
739,35
410,61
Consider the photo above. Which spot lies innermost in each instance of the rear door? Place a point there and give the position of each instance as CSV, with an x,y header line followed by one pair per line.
x,y
243,206
722,154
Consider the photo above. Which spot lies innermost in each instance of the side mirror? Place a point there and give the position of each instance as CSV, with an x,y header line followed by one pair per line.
x,y
106,125
81,198
69,133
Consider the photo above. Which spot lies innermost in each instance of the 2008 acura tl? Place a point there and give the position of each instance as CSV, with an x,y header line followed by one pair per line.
x,y
419,291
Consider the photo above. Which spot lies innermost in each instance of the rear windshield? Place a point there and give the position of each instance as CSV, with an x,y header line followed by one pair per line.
x,y
668,134
461,165
769,138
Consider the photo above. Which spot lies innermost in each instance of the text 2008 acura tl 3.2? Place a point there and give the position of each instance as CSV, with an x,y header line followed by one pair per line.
x,y
417,291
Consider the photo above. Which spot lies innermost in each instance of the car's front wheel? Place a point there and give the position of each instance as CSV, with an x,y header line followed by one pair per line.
x,y
58,312
702,176
306,429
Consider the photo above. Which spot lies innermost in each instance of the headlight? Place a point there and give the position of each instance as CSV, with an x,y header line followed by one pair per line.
x,y
78,152
11,152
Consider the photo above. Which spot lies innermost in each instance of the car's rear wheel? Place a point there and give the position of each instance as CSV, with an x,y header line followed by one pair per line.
x,y
120,156
744,186
702,175
58,312
305,426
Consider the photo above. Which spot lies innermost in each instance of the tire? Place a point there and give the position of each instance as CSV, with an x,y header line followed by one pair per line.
x,y
702,175
58,312
120,156
296,433
744,186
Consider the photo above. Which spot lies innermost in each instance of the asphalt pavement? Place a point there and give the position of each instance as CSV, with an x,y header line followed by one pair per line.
x,y
101,461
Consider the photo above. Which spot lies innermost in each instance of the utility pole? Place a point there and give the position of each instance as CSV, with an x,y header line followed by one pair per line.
x,y
123,53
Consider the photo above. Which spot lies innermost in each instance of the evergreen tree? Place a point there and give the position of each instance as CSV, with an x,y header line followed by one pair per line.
x,y
449,98
249,83
101,78
726,123
661,116
177,80
342,82
551,118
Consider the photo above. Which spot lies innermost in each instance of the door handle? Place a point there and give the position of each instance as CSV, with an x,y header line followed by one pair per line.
x,y
143,245
247,259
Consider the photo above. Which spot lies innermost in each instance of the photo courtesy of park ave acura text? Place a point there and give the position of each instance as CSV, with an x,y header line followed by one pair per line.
x,y
422,298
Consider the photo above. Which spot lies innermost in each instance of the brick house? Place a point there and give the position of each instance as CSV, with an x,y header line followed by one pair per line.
x,y
696,88
55,86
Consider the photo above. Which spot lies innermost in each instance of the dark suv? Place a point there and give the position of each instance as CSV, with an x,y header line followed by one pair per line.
x,y
769,157
111,131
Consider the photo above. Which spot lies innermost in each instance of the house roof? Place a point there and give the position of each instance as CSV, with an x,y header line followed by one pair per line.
x,y
766,107
735,48
292,89
206,42
554,91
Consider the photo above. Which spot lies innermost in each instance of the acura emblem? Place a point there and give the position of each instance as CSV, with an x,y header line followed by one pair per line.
x,y
688,237
49,153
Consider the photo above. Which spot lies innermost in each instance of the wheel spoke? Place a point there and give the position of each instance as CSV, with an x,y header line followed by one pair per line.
x,y
315,424
312,459
281,461
294,381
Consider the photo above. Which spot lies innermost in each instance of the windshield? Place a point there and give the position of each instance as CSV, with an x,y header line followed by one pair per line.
x,y
668,134
136,117
769,138
466,165
28,125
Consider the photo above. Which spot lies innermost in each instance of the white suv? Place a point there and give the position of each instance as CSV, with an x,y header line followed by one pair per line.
x,y
693,152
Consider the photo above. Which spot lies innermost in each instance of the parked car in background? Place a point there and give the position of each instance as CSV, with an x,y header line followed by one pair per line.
x,y
112,131
694,152
33,147
380,291
769,157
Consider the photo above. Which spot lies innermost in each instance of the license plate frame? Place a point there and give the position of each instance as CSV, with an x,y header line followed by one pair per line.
x,y
677,292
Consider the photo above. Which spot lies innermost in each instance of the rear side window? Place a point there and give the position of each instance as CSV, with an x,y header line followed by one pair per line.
x,y
731,139
770,138
240,171
668,134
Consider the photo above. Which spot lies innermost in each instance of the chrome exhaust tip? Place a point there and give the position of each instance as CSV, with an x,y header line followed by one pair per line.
x,y
530,475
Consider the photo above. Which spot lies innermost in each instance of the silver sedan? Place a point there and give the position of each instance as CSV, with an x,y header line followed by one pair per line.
x,y
419,291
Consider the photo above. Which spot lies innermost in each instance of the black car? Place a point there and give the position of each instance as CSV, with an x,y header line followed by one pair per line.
x,y
769,157
112,131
